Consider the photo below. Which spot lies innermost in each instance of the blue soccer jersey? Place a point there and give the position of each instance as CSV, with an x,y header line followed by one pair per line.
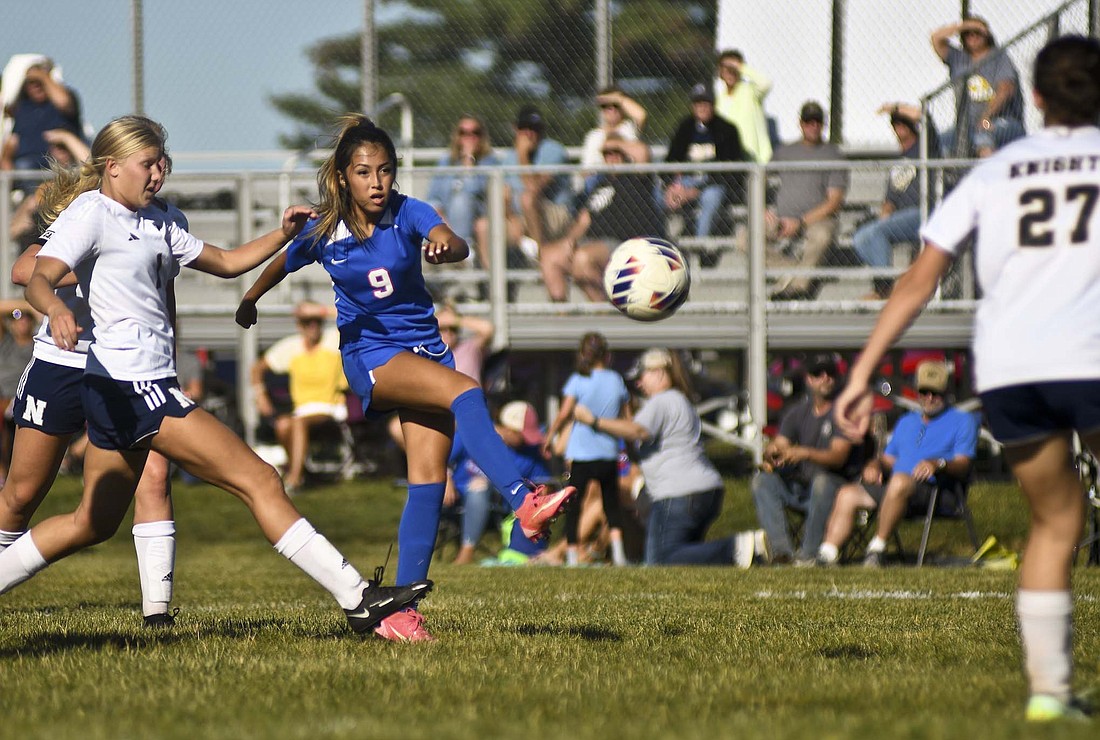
x,y
379,282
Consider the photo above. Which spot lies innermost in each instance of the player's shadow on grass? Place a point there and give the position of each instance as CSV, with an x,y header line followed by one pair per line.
x,y
847,652
585,632
50,643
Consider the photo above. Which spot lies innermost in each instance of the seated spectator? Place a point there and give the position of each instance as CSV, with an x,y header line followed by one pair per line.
x,y
807,204
620,114
899,215
685,488
460,197
538,206
993,109
519,428
702,137
43,104
311,360
66,150
927,445
618,206
804,466
739,93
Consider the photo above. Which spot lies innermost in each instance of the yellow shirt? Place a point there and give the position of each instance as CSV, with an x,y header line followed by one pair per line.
x,y
744,108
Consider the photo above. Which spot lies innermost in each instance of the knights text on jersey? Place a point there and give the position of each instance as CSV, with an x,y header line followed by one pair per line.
x,y
134,255
1034,208
379,282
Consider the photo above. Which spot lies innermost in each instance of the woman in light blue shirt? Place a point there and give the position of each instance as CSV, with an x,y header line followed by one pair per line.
x,y
593,454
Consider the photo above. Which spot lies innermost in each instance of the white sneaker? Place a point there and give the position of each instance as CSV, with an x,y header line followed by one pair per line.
x,y
760,546
744,545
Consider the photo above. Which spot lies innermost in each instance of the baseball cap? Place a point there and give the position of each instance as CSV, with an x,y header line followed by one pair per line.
x,y
520,416
932,376
529,117
702,91
651,359
812,111
823,363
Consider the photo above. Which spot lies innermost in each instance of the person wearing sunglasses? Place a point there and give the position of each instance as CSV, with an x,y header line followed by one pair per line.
x,y
459,197
926,446
804,465
620,114
994,107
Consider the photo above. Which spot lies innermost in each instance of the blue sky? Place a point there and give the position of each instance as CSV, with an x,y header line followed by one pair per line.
x,y
209,64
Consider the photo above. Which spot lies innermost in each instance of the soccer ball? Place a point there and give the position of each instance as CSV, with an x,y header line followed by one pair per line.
x,y
646,278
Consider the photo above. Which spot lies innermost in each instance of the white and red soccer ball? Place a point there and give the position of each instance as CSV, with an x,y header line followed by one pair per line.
x,y
647,278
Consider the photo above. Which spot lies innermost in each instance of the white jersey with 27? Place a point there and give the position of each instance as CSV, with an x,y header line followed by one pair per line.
x,y
1035,209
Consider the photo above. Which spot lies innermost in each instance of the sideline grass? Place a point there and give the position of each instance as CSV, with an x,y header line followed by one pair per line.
x,y
259,651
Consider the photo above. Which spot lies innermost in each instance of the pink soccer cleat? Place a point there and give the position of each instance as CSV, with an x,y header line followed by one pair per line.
x,y
540,508
406,625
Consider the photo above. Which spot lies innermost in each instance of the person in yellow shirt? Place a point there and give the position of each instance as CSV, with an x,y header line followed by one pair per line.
x,y
739,94
311,359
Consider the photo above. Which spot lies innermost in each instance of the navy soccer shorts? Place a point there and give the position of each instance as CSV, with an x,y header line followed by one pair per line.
x,y
48,398
1018,414
124,414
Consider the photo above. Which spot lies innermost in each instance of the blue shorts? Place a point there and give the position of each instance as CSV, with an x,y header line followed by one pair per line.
x,y
363,357
1018,414
122,414
48,398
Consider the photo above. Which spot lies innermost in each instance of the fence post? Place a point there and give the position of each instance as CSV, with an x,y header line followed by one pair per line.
x,y
603,44
836,74
7,290
247,341
368,62
758,319
498,259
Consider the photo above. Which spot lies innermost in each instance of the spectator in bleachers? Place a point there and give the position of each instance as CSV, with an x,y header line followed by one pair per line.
x,y
685,488
460,197
538,205
899,215
311,360
739,94
927,445
808,201
43,104
804,466
618,206
994,106
620,114
703,137
67,150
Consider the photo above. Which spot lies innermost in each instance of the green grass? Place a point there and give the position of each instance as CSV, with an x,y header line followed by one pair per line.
x,y
259,651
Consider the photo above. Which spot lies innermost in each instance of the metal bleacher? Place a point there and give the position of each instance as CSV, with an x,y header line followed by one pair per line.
x,y
728,311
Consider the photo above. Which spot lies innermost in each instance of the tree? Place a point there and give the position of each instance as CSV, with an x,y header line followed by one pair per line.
x,y
488,57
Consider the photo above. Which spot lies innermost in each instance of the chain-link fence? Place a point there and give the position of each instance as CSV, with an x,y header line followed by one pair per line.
x,y
234,77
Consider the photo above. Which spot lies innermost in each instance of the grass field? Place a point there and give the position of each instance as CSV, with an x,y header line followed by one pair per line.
x,y
259,651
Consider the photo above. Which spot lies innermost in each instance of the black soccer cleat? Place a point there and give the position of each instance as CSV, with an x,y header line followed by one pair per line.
x,y
380,602
157,621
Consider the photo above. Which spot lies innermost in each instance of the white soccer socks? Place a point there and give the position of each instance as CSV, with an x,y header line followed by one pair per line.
x,y
19,562
309,550
1046,631
155,544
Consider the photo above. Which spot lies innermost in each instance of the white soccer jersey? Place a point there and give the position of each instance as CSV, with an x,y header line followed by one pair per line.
x,y
124,261
1035,207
